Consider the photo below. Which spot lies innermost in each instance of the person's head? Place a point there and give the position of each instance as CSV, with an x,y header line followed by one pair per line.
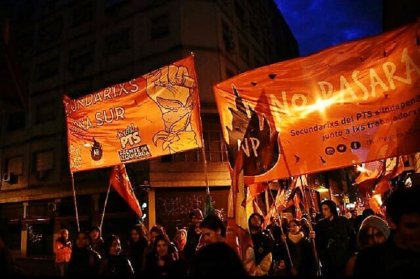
x,y
95,233
136,233
196,216
181,235
373,231
82,240
218,260
403,211
329,209
161,246
212,229
295,226
255,222
367,212
155,231
113,245
64,233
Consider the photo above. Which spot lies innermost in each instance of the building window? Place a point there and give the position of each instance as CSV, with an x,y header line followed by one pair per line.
x,y
228,37
51,32
14,165
215,147
16,121
48,8
80,58
118,41
229,73
110,4
83,88
45,112
255,33
48,69
240,13
82,14
243,51
43,161
160,26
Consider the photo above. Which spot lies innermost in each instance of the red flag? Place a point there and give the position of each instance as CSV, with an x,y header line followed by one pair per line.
x,y
257,188
121,183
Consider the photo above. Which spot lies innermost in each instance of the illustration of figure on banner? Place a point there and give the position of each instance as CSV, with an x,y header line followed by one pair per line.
x,y
171,88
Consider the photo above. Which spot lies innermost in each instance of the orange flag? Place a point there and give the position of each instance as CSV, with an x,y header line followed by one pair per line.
x,y
121,183
352,103
146,117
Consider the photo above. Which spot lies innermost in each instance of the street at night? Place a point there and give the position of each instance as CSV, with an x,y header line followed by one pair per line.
x,y
217,138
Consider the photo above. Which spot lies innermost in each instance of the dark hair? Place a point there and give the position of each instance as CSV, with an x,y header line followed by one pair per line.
x,y
96,228
163,237
196,213
218,260
158,229
367,212
332,206
296,221
214,223
252,216
141,230
403,201
108,242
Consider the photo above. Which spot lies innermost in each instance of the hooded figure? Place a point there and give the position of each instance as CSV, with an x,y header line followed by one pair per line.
x,y
373,230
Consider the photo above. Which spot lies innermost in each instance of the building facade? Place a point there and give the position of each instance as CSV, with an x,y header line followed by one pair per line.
x,y
77,47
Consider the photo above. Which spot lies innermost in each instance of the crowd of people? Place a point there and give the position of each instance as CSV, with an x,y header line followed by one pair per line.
x,y
334,245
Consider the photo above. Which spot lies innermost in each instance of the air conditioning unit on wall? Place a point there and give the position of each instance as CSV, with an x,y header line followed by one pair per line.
x,y
9,177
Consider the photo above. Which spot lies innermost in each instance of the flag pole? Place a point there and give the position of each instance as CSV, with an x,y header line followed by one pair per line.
x,y
105,203
203,147
318,267
281,227
75,202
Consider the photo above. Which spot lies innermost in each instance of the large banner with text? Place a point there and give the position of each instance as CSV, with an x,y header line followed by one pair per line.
x,y
353,103
149,116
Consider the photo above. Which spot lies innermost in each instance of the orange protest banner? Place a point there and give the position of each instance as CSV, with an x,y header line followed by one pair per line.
x,y
357,102
149,116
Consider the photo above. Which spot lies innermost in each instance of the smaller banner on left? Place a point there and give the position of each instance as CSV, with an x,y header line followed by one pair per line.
x,y
150,116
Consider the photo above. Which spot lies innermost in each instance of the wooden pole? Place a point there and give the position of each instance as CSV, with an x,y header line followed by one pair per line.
x,y
75,202
105,203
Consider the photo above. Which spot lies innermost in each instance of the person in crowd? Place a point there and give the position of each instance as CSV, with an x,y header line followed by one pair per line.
x,y
275,232
84,260
63,248
180,239
193,234
335,240
163,263
359,219
155,232
96,240
399,256
217,260
212,230
115,263
259,254
136,247
373,231
8,266
301,254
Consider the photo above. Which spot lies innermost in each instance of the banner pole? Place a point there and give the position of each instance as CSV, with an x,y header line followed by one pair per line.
x,y
281,227
309,223
75,202
105,204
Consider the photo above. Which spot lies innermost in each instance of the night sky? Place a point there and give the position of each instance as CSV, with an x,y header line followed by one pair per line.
x,y
319,24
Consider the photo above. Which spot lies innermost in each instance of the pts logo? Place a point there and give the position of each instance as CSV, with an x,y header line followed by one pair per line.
x,y
130,135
